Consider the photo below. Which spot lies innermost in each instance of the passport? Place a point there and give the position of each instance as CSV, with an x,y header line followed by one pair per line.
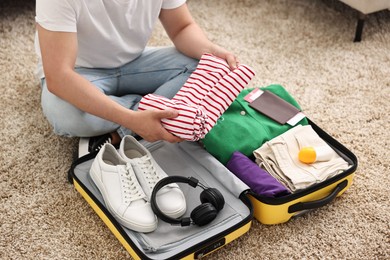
x,y
274,107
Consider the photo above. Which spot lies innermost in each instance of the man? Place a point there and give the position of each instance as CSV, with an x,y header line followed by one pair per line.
x,y
95,67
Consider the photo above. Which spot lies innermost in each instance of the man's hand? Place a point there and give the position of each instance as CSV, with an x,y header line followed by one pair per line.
x,y
147,124
222,53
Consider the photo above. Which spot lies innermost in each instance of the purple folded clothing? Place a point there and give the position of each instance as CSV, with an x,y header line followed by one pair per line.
x,y
259,180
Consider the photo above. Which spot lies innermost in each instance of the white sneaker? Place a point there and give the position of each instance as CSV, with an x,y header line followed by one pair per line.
x,y
121,192
170,198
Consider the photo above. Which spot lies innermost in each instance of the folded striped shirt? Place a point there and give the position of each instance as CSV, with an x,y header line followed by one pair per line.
x,y
204,97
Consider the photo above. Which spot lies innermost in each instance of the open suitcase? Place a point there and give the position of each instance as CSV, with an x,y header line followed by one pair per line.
x,y
190,159
175,242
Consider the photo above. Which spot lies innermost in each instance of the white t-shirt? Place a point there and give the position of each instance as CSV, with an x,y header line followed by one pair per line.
x,y
110,33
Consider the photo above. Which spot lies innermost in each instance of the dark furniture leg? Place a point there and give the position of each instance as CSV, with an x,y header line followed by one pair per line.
x,y
359,27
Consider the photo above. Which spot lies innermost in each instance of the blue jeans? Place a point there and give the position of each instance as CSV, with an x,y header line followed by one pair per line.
x,y
162,71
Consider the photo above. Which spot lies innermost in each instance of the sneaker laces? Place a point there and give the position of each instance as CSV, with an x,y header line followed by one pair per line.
x,y
108,140
97,142
131,188
149,171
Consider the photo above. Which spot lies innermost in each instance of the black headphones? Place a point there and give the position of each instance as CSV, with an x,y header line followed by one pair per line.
x,y
211,198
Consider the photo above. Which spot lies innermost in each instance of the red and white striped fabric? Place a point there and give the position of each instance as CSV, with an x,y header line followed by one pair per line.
x,y
205,96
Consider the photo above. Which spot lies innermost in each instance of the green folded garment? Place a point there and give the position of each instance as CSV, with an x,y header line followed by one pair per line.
x,y
243,129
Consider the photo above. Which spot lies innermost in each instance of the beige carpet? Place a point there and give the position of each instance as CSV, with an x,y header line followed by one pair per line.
x,y
304,45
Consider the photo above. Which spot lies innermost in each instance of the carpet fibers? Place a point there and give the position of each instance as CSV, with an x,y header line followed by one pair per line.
x,y
306,46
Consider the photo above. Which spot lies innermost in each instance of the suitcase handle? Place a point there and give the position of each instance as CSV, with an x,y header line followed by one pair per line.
x,y
318,203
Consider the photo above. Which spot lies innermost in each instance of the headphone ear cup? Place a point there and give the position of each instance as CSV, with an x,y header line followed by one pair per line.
x,y
213,196
204,214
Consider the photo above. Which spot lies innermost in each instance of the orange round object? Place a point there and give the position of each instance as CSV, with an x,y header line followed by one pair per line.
x,y
307,155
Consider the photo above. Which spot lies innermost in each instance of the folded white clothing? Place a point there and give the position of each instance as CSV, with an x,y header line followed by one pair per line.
x,y
279,157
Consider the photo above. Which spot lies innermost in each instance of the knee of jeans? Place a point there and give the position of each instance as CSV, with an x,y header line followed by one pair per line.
x,y
67,120
81,124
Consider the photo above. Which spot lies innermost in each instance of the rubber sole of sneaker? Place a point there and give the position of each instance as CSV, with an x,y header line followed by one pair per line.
x,y
126,223
83,146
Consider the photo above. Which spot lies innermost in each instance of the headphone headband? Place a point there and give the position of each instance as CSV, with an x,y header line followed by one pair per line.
x,y
171,179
